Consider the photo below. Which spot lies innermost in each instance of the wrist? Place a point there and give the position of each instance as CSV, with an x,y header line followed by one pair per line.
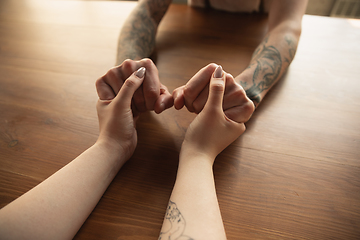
x,y
112,151
190,152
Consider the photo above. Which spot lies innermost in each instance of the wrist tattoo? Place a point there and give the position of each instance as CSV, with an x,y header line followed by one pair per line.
x,y
177,223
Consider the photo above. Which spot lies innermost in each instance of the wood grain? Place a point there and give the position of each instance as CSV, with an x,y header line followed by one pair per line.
x,y
294,174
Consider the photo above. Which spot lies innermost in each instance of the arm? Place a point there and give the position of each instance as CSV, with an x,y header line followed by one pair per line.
x,y
137,41
274,55
193,211
57,207
137,37
270,60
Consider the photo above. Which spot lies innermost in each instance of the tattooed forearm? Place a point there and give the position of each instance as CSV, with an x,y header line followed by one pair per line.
x,y
137,37
177,224
292,49
267,65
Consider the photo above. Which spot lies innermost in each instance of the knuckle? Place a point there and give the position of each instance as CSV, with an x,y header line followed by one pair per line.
x,y
99,82
212,65
127,63
189,92
147,62
130,83
240,92
217,87
210,68
111,74
248,110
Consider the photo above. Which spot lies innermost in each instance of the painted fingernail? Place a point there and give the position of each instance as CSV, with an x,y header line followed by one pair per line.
x,y
218,72
141,72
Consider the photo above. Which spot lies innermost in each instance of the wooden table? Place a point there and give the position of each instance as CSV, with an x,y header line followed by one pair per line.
x,y
294,174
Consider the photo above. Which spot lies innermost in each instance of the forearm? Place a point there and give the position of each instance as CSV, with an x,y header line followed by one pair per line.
x,y
57,207
137,37
269,62
194,196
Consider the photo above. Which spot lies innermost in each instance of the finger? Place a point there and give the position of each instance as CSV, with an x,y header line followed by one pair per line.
x,y
178,95
234,93
139,99
196,84
241,114
104,90
201,100
151,84
129,87
216,89
108,85
164,101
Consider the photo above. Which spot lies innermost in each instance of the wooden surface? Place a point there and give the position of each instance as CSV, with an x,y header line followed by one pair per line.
x,y
294,174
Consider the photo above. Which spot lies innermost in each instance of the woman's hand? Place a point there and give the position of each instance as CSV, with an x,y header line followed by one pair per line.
x,y
116,117
194,94
212,131
152,95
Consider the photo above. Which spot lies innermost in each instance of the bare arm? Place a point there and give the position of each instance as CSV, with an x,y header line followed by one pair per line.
x,y
57,207
137,37
193,211
274,55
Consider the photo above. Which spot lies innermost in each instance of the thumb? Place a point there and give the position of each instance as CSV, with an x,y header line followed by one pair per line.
x,y
216,89
129,87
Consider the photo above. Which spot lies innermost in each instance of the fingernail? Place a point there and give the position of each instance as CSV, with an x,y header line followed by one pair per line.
x,y
141,72
218,72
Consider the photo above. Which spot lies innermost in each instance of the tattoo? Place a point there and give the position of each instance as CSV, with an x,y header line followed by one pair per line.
x,y
158,8
137,38
177,223
258,49
292,46
268,67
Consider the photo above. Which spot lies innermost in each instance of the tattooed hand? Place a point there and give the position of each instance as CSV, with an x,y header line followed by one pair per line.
x,y
152,95
237,106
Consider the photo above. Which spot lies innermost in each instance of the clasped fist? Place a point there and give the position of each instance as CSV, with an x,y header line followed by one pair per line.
x,y
237,106
150,96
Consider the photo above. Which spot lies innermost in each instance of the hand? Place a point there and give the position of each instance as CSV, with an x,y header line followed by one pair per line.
x,y
116,117
194,94
212,131
152,95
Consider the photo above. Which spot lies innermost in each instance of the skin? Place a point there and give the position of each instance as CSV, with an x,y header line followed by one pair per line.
x,y
269,62
58,206
197,203
151,95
